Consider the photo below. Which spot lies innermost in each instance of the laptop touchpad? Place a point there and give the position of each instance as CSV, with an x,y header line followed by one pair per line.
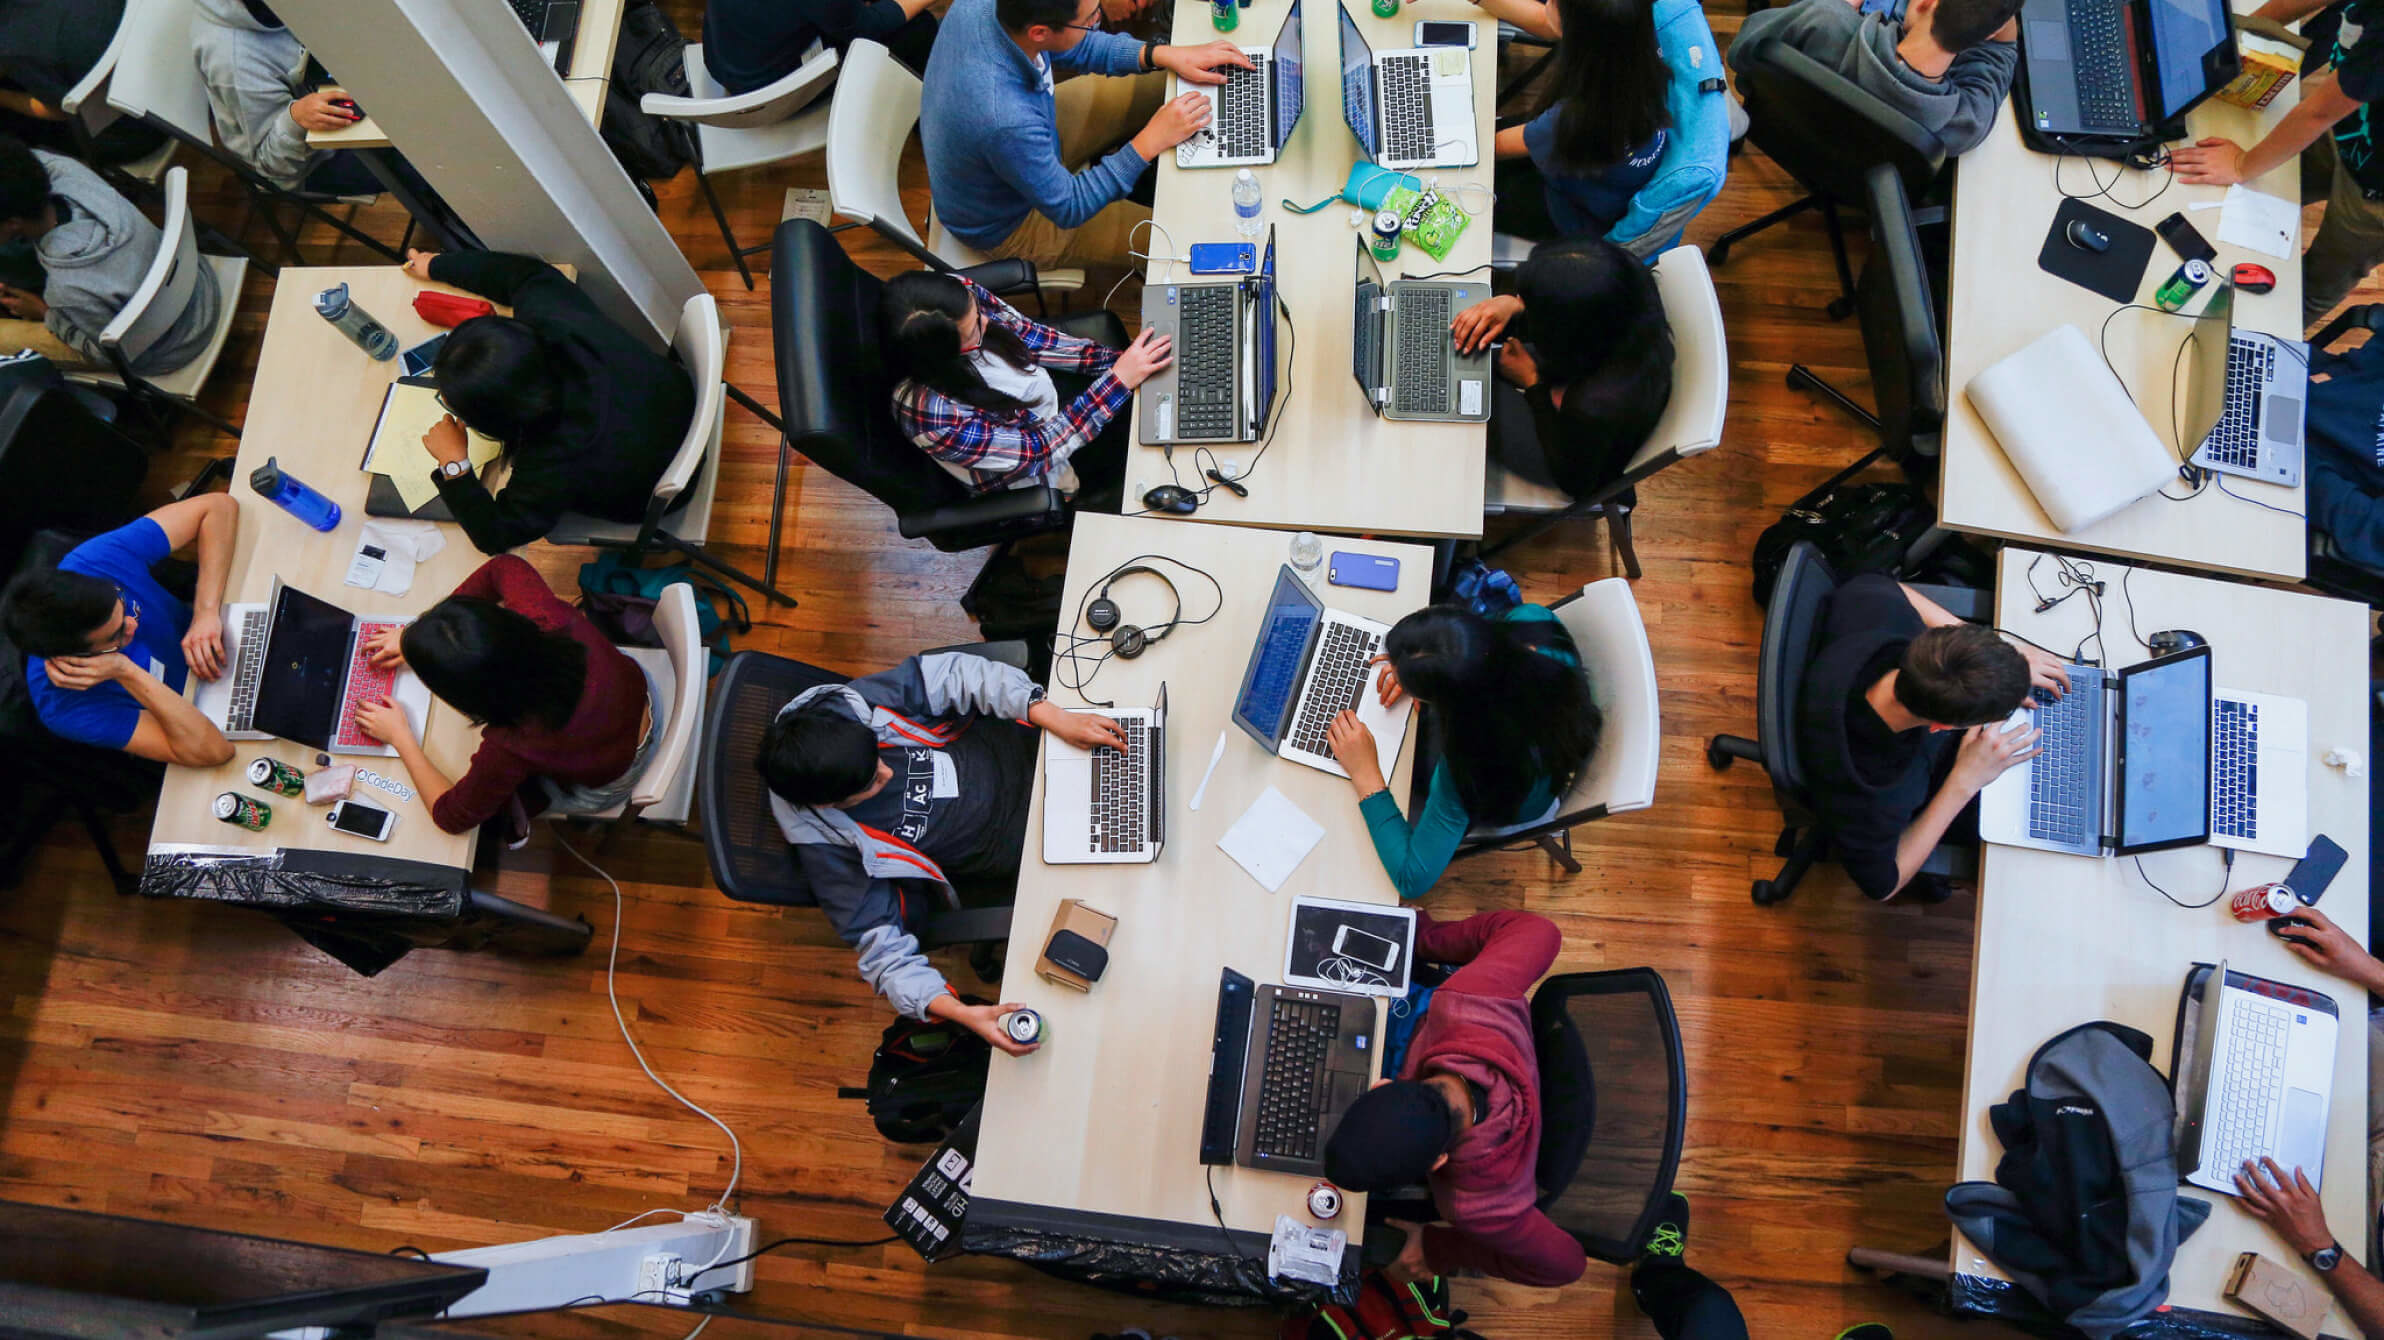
x,y
2301,1136
2048,40
2282,410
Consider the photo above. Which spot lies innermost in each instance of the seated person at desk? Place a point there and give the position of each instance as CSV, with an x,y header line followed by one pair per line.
x,y
566,721
590,415
1021,167
111,650
1595,135
265,103
1569,413
2317,940
1510,718
1948,65
918,775
750,44
1891,668
1463,1114
46,48
94,249
977,391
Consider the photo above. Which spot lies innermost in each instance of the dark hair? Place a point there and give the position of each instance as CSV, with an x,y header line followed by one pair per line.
x,y
818,754
494,373
1604,339
54,612
1503,715
494,665
1390,1137
1959,25
24,184
1020,15
1608,84
921,313
1962,675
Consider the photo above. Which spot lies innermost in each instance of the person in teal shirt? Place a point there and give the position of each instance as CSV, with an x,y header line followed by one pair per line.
x,y
1508,714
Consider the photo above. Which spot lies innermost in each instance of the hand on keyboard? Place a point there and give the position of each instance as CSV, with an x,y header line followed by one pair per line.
x,y
1989,751
202,646
1353,749
2048,674
384,721
1150,352
1198,65
1175,122
1085,730
2286,1202
384,649
1388,687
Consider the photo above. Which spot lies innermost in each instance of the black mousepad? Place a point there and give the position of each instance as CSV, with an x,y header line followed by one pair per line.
x,y
2116,273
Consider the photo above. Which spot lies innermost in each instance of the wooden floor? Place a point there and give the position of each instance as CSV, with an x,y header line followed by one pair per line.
x,y
174,1061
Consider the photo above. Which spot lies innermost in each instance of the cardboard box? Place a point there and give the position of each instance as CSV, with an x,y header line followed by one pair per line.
x,y
2271,56
2284,1296
1090,923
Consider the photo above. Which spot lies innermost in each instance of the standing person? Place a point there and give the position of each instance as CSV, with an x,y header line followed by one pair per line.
x,y
1948,64
1599,127
750,44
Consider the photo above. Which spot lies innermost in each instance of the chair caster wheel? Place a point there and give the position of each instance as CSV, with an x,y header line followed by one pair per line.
x,y
1716,254
1716,759
1840,308
1767,893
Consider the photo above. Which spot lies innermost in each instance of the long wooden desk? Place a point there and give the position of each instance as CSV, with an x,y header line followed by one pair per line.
x,y
2063,940
591,74
2004,199
1093,1140
1333,465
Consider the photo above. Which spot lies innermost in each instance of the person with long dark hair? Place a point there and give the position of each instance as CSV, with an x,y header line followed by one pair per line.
x,y
1600,124
566,721
979,392
1508,714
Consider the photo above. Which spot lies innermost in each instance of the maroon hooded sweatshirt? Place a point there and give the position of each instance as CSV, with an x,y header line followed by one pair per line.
x,y
1479,1028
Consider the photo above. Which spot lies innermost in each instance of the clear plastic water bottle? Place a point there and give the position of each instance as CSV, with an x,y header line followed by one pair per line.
x,y
334,306
1307,550
293,496
1246,202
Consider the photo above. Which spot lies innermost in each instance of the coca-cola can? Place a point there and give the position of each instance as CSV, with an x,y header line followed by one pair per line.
x,y
1324,1200
2261,902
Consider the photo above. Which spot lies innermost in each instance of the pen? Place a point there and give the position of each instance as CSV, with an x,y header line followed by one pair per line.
x,y
1216,756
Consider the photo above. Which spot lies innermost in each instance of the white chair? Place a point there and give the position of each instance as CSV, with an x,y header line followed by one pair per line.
x,y
87,103
163,294
876,108
1620,776
154,77
771,124
1691,424
681,670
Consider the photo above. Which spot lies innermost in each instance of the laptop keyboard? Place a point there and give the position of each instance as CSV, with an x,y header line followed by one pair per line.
x,y
1343,653
2062,798
1300,1035
2098,49
2236,439
2235,770
1240,124
1122,792
366,683
1204,359
1407,107
532,14
248,668
2237,1119
1420,365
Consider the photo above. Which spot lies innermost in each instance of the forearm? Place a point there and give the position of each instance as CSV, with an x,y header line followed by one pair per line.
x,y
1529,15
217,531
1509,144
191,739
429,782
1931,613
2322,104
2360,1294
2288,11
1925,832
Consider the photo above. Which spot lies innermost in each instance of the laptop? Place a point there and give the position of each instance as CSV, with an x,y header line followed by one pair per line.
x,y
1308,664
1252,113
1403,355
296,668
2120,69
1411,108
1285,1063
1101,807
2261,1078
1220,386
2247,393
552,25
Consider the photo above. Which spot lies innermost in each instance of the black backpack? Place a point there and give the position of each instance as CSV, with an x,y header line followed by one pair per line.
x,y
924,1078
1858,527
650,58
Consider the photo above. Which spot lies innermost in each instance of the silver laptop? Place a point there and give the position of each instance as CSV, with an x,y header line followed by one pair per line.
x,y
2247,393
1402,354
1252,113
2259,773
1103,807
1220,386
2260,1080
1307,665
297,668
1411,108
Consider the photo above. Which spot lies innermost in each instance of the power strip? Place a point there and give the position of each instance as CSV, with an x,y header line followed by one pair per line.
x,y
743,1236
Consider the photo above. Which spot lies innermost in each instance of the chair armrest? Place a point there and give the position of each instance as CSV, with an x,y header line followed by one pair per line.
x,y
1101,327
987,519
965,926
1962,602
1003,276
1012,653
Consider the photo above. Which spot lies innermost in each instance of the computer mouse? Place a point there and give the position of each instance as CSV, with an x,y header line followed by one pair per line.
x,y
2277,926
1171,498
2086,237
2253,278
2170,641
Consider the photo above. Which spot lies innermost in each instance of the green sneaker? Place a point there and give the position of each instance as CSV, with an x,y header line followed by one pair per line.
x,y
1671,1236
1869,1330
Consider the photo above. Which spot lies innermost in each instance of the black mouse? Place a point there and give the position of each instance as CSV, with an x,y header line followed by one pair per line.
x,y
2170,641
2277,926
1171,498
2086,237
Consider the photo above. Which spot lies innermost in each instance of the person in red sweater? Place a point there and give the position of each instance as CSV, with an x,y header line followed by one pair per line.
x,y
566,720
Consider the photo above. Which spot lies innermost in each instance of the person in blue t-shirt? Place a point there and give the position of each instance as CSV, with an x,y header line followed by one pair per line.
x,y
1598,129
111,650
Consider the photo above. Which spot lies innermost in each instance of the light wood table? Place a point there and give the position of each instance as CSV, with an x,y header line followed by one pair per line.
x,y
2063,940
1097,1135
591,74
2004,200
1333,465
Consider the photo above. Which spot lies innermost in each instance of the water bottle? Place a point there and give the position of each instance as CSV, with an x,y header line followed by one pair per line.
x,y
1246,201
334,306
290,495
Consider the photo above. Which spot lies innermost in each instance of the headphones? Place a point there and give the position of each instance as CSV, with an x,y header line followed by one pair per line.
x,y
1127,640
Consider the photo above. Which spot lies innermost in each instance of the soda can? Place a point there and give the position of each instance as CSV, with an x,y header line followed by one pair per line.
x,y
1024,1027
1324,1201
1386,235
2180,288
2261,902
241,812
271,774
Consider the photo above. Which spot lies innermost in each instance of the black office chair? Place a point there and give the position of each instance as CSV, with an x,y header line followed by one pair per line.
x,y
1896,302
1827,133
62,465
1790,622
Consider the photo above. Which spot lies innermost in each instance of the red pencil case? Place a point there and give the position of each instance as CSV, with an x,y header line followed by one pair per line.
x,y
448,309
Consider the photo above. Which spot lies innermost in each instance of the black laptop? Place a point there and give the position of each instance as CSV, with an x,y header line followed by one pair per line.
x,y
1286,1062
2121,69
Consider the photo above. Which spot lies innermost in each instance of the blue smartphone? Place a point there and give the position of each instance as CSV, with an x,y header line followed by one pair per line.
x,y
1370,572
1224,258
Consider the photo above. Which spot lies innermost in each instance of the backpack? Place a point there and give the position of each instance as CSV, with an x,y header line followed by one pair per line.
x,y
650,58
1858,527
1485,590
1012,604
620,599
1383,1311
924,1078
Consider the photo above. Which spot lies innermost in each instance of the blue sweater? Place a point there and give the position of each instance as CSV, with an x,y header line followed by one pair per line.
x,y
993,148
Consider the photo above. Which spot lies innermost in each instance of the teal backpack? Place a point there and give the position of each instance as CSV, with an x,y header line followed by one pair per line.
x,y
620,599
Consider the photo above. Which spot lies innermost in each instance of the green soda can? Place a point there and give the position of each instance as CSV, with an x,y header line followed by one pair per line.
x,y
2191,278
271,774
241,812
1386,9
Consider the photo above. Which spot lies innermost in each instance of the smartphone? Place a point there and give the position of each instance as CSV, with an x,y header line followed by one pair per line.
x,y
1367,572
362,820
421,357
1434,33
2184,240
2315,871
1224,258
1365,947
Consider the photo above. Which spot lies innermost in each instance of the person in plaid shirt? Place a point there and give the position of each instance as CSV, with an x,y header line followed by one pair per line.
x,y
978,392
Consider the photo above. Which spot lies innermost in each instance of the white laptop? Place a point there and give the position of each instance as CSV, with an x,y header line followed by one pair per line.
x,y
2260,1079
2070,429
1411,108
1103,807
296,668
1307,665
1252,113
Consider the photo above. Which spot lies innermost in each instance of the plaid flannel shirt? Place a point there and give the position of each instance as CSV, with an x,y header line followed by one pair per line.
x,y
999,449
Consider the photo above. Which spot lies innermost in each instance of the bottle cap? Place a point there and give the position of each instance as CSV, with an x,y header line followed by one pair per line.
x,y
266,478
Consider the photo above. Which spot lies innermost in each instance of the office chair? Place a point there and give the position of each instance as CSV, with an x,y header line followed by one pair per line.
x,y
63,465
1827,133
782,120
1895,300
1790,624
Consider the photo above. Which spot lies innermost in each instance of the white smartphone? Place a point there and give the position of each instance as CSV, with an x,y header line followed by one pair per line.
x,y
362,820
1366,947
1439,33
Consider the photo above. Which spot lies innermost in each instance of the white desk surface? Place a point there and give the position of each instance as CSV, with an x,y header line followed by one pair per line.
x,y
591,74
2064,940
1106,1117
2004,200
1333,466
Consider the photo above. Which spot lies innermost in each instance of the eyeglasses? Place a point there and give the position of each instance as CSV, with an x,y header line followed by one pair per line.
x,y
126,628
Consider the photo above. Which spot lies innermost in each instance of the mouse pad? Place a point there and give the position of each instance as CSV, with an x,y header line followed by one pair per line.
x,y
2115,274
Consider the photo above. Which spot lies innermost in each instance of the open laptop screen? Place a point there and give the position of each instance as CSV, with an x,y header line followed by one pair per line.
x,y
1357,80
2194,52
2206,387
1365,332
1272,681
1291,86
1264,400
306,665
2164,753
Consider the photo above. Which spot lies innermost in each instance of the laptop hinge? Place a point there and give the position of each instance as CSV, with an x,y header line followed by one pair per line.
x,y
2113,699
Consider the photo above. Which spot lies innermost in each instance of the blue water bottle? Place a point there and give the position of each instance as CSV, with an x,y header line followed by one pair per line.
x,y
290,495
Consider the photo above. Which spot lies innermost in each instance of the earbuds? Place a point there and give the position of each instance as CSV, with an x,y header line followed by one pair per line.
x,y
1129,641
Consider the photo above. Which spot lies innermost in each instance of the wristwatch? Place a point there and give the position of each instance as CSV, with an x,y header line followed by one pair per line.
x,y
453,469
2326,1258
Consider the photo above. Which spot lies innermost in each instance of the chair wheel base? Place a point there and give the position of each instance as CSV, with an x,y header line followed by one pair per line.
x,y
1766,893
1784,844
1716,759
1840,308
1719,252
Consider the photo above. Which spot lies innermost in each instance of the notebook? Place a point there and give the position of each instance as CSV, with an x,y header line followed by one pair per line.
x,y
2070,429
396,451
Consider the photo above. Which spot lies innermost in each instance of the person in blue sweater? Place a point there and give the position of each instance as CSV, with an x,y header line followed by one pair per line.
x,y
1598,129
1020,164
1507,712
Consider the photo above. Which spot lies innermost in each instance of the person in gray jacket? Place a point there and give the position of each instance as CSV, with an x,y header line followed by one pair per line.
x,y
94,249
893,786
1947,64
265,102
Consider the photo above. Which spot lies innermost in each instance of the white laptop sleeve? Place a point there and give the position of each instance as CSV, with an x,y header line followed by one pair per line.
x,y
2070,429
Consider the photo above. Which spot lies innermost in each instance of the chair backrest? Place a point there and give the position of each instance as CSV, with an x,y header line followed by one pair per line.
x,y
702,346
155,77
765,106
60,466
1790,623
835,390
1692,418
1696,154
750,859
1899,322
165,292
1603,618
1614,1097
87,100
1826,130
876,109
679,625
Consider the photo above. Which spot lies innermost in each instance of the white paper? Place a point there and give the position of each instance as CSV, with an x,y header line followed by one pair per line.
x,y
1271,839
403,544
1300,1252
2258,221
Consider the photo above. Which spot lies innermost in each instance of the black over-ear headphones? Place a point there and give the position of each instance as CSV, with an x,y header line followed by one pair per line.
x,y
1127,640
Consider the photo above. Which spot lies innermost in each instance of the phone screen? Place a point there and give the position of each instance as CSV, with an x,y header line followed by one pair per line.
x,y
361,820
1444,34
1366,947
